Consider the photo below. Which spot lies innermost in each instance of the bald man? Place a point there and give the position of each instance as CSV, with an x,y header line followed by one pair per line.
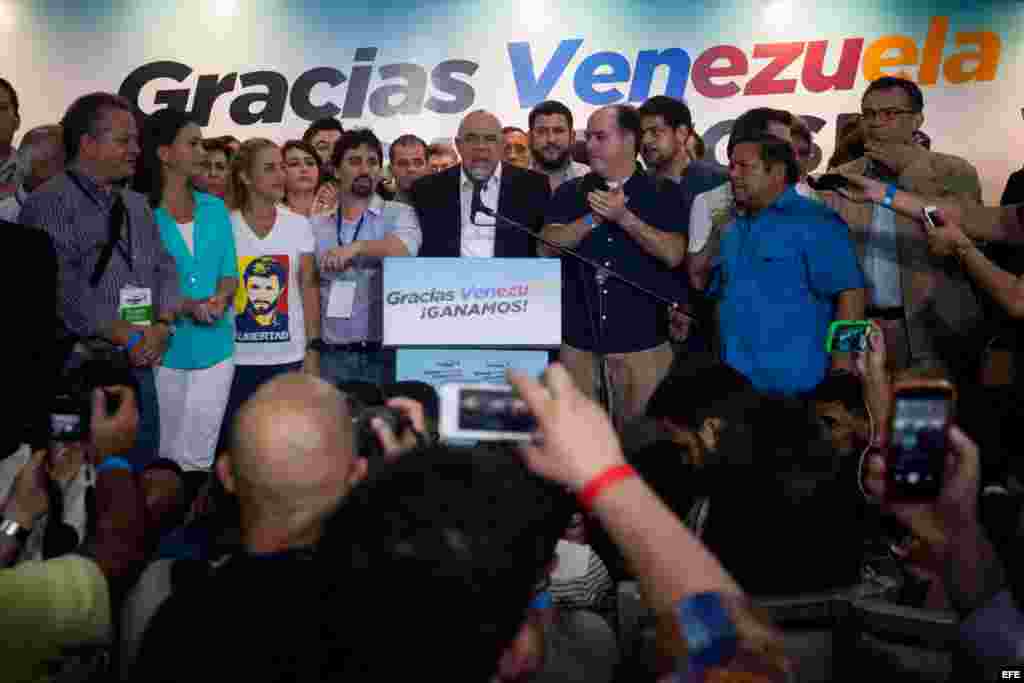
x,y
43,149
292,459
444,200
291,462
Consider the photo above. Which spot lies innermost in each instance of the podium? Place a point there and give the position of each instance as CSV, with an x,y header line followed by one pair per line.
x,y
470,319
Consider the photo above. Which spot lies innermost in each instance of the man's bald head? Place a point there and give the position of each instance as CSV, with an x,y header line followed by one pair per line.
x,y
480,144
292,457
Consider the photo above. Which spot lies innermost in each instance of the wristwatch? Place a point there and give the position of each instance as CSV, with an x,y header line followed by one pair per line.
x,y
11,529
316,345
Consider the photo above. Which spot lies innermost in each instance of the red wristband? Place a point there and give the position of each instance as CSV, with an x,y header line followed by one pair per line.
x,y
598,484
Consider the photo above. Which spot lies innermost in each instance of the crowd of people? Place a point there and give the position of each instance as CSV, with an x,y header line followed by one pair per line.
x,y
215,471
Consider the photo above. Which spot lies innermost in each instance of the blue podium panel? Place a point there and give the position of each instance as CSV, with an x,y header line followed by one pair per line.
x,y
478,366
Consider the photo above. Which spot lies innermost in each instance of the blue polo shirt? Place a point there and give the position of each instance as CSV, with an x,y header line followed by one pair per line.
x,y
777,276
633,321
195,345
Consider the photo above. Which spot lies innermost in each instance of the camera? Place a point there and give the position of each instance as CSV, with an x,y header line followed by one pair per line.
x,y
88,366
367,443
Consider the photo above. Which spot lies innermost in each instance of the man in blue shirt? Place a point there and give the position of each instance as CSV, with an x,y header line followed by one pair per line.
x,y
786,269
619,217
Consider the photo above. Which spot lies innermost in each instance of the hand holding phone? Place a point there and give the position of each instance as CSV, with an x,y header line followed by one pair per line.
x,y
484,412
922,413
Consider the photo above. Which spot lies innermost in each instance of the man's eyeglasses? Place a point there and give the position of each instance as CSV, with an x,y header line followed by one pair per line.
x,y
884,114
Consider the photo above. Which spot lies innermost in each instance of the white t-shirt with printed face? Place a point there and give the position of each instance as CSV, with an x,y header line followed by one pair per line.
x,y
270,327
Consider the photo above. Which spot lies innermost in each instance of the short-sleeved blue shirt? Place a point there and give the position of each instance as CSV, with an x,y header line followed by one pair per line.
x,y
777,276
195,345
633,320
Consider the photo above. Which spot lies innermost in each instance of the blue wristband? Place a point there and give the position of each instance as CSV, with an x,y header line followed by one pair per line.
x,y
133,341
890,193
708,630
542,600
589,219
113,463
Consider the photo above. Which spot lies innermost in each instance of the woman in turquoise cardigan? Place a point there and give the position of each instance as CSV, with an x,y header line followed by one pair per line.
x,y
195,377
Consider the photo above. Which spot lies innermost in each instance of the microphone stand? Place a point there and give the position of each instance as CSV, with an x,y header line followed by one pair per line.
x,y
601,275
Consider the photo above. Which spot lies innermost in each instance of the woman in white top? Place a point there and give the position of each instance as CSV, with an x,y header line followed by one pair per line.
x,y
277,308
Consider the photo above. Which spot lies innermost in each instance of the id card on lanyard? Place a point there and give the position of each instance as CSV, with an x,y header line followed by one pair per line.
x,y
342,296
136,305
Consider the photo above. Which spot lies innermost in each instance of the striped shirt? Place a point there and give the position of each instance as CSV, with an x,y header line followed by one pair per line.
x,y
76,215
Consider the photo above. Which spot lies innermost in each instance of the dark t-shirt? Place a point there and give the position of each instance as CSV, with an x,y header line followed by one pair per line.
x,y
248,621
633,320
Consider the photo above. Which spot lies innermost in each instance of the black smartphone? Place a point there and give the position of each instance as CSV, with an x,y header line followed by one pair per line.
x,y
932,218
69,418
830,182
921,417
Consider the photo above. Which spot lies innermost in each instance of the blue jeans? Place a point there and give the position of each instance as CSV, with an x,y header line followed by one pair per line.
x,y
375,367
246,381
147,438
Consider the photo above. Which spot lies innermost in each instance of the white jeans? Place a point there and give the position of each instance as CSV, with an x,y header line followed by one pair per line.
x,y
192,404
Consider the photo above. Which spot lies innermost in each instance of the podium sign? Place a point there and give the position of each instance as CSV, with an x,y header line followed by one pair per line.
x,y
473,302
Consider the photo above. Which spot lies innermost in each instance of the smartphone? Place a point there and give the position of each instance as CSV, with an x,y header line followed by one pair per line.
x,y
484,412
845,336
932,218
830,182
69,418
919,438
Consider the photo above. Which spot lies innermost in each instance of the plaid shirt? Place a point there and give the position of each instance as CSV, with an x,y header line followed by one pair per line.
x,y
76,218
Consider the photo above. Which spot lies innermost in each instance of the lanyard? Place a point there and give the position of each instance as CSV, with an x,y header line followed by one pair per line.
x,y
359,227
118,214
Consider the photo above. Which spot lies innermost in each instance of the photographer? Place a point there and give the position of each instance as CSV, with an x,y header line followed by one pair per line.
x,y
48,606
992,626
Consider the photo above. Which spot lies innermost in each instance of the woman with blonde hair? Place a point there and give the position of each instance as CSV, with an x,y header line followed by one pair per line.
x,y
277,309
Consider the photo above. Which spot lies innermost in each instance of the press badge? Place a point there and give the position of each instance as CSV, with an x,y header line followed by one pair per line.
x,y
341,299
136,305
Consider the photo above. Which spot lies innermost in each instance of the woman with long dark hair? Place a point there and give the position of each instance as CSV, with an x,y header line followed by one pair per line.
x,y
193,383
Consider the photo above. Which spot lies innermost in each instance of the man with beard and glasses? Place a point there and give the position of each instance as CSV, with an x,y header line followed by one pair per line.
x,y
444,201
350,243
551,142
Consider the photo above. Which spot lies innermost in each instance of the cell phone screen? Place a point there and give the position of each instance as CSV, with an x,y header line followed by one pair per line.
x,y
850,338
65,427
918,448
494,410
69,419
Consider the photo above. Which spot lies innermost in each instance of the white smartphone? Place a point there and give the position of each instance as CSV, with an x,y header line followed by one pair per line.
x,y
931,217
484,412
